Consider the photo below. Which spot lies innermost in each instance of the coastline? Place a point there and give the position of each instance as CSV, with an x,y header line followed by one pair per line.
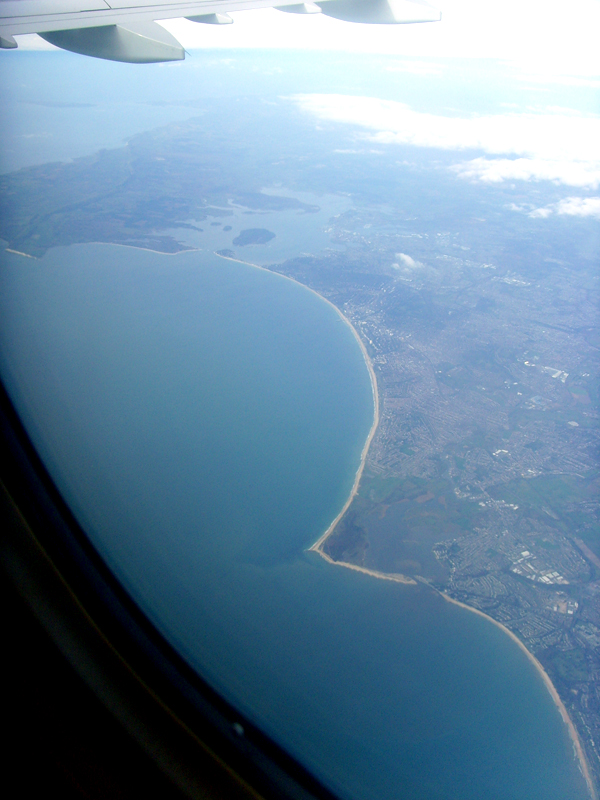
x,y
317,547
114,244
398,578
384,576
549,686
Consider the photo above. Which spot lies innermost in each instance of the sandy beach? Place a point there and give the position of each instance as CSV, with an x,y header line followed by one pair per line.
x,y
549,685
318,547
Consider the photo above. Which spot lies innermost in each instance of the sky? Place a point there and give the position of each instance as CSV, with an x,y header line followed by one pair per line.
x,y
547,37
541,43
559,145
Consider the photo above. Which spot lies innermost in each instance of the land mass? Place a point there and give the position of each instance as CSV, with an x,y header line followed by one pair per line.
x,y
481,327
482,476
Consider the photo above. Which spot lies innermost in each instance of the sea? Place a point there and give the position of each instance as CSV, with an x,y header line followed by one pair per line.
x,y
204,419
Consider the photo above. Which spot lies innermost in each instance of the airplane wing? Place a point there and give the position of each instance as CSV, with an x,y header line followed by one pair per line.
x,y
127,30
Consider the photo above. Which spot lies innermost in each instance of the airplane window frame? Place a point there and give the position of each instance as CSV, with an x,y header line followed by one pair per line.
x,y
156,697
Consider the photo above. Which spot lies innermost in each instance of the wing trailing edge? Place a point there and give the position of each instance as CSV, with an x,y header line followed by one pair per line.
x,y
127,30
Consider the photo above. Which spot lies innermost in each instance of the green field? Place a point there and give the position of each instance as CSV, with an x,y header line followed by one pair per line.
x,y
393,524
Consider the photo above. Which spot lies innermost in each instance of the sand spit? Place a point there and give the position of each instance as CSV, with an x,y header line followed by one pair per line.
x,y
549,685
113,244
19,253
147,249
250,264
385,576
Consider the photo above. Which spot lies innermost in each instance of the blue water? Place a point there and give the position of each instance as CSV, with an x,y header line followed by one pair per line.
x,y
205,420
297,232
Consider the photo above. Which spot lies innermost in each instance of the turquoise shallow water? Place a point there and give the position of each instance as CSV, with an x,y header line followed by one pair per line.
x,y
205,421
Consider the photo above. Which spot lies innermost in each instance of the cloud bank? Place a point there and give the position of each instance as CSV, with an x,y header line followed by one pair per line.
x,y
561,147
569,206
496,170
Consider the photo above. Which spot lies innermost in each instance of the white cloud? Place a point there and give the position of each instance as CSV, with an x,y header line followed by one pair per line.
x,y
550,76
408,262
560,35
540,213
496,170
542,37
579,206
568,206
559,147
416,67
550,136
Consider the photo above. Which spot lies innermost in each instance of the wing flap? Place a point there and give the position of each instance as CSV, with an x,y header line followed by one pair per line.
x,y
137,43
125,30
300,8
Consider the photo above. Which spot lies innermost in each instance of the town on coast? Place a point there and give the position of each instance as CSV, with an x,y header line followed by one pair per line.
x,y
399,578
